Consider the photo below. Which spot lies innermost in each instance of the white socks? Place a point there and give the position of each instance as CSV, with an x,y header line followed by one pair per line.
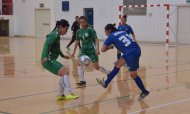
x,y
81,73
103,70
60,87
66,82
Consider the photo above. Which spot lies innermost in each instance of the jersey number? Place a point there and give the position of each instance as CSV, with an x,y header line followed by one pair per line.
x,y
125,40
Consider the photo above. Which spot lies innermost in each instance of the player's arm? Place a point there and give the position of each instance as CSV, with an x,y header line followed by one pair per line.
x,y
105,48
94,36
46,49
63,56
133,34
107,45
97,47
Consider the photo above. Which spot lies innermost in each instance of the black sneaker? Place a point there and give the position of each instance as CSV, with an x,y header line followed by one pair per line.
x,y
81,83
143,95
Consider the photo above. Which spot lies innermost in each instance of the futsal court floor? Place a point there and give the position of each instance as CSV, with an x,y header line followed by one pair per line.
x,y
26,88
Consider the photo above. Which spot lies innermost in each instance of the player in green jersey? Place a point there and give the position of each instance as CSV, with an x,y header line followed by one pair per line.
x,y
90,47
50,53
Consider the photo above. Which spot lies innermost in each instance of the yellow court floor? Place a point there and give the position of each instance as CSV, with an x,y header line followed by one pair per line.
x,y
26,88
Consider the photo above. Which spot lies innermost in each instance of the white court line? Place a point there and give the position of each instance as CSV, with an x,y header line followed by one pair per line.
x,y
167,104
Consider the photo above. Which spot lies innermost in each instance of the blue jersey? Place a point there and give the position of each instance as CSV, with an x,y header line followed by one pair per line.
x,y
122,41
126,28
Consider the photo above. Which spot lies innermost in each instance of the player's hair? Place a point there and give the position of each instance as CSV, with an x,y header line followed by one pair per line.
x,y
62,22
111,27
125,17
76,16
83,17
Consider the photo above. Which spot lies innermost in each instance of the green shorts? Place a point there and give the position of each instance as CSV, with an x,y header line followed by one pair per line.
x,y
92,55
53,66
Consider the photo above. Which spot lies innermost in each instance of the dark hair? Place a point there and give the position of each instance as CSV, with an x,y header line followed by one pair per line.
x,y
125,17
111,27
83,17
62,22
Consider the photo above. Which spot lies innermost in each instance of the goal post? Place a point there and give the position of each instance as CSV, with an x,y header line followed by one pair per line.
x,y
156,20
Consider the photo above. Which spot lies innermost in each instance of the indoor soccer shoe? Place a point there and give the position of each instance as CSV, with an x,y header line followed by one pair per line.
x,y
71,97
101,82
143,95
81,83
60,97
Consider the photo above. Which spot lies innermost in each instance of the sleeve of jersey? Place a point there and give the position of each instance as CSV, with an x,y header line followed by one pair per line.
x,y
131,30
77,35
93,33
108,41
118,28
49,41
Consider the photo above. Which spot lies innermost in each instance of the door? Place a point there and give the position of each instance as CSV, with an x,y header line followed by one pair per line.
x,y
42,22
4,27
89,14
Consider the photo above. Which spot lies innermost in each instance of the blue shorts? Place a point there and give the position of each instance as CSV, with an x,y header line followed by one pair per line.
x,y
132,60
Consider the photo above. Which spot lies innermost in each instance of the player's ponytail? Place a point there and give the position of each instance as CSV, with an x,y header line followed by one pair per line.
x,y
62,22
111,27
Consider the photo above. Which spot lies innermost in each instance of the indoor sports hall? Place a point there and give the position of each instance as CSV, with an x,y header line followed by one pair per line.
x,y
161,29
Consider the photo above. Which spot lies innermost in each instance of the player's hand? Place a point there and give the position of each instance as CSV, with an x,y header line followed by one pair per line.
x,y
44,60
111,47
97,52
67,57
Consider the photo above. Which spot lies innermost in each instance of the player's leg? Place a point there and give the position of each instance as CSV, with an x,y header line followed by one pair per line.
x,y
113,73
118,54
57,68
81,72
99,68
63,73
80,69
140,84
133,65
50,66
95,62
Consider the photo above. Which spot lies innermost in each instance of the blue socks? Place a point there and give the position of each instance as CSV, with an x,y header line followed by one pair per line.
x,y
111,75
118,55
140,84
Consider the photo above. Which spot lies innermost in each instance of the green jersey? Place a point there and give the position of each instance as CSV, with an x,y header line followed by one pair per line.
x,y
88,38
51,47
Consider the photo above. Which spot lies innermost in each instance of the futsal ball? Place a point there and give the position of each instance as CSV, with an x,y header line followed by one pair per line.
x,y
85,60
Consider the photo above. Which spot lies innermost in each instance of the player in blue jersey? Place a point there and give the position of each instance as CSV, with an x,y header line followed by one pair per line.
x,y
131,55
125,27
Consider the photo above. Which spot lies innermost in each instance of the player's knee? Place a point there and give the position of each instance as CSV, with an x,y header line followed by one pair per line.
x,y
79,63
118,65
133,74
96,67
63,71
